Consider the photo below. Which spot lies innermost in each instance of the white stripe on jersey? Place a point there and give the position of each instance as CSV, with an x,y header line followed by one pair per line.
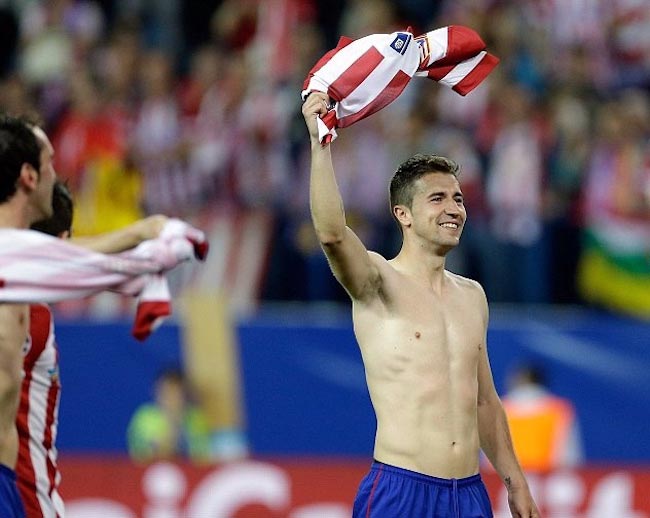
x,y
37,471
462,70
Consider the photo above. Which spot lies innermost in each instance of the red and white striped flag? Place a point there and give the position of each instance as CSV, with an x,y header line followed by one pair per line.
x,y
365,75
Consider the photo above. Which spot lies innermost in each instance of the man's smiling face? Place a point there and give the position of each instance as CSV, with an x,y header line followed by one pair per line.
x,y
438,212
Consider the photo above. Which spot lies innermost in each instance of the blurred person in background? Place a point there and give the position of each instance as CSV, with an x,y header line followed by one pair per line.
x,y
422,335
629,43
363,17
614,271
518,266
15,95
590,48
116,68
158,23
171,426
57,38
158,141
92,145
83,134
567,165
544,427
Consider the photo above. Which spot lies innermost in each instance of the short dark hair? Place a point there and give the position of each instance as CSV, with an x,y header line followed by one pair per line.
x,y
62,212
18,146
402,184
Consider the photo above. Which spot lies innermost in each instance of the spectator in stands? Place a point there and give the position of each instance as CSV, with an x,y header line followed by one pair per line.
x,y
614,271
231,138
157,140
517,267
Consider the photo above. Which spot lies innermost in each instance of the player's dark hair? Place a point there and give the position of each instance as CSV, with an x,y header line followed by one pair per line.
x,y
402,185
18,146
62,212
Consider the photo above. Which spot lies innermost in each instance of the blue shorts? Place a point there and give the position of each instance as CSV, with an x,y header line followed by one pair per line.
x,y
390,492
11,506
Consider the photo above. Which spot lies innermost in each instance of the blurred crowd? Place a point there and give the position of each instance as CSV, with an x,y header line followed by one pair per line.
x,y
192,108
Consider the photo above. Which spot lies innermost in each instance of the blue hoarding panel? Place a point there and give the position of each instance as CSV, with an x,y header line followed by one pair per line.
x,y
304,390
105,374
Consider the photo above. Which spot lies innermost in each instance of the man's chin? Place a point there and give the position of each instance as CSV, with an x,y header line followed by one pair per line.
x,y
449,244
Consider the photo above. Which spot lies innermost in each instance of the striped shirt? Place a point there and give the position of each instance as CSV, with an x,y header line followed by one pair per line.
x,y
37,419
365,75
35,267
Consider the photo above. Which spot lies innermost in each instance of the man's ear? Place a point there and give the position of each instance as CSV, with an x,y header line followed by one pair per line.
x,y
402,214
28,176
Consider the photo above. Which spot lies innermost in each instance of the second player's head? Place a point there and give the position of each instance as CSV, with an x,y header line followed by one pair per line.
x,y
60,223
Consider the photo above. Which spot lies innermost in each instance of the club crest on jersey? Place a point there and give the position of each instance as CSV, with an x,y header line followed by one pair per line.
x,y
425,51
54,373
401,42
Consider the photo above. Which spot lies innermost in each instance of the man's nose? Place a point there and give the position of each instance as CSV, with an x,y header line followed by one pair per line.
x,y
451,208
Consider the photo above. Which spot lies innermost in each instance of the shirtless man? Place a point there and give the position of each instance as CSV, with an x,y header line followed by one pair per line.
x,y
26,180
422,334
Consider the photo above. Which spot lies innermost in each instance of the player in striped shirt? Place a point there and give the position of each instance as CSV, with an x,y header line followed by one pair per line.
x,y
37,418
27,177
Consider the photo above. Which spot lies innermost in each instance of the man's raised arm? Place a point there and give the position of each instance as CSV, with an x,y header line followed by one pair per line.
x,y
347,256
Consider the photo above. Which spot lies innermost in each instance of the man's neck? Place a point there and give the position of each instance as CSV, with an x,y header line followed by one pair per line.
x,y
14,215
424,264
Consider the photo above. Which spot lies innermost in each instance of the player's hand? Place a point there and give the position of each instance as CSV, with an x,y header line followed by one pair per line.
x,y
316,104
521,504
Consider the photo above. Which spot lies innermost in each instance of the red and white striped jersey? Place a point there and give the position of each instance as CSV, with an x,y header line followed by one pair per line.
x,y
365,75
37,419
35,267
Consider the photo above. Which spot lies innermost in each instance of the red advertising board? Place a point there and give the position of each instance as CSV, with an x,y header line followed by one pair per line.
x,y
99,487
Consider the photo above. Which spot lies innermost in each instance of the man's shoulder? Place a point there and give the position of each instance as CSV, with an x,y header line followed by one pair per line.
x,y
470,289
465,282
382,264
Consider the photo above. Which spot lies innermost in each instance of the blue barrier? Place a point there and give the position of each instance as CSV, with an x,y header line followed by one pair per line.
x,y
105,375
304,389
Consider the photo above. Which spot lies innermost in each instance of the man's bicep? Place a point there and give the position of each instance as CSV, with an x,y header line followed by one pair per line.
x,y
352,265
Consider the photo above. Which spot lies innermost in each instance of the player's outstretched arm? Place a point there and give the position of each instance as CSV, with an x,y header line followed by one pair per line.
x,y
124,238
351,263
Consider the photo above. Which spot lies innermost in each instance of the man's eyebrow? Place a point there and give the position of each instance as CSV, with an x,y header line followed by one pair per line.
x,y
443,193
